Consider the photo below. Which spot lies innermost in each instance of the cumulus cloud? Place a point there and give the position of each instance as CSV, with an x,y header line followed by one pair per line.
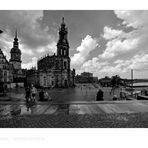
x,y
138,62
6,55
6,42
119,42
94,66
31,64
119,46
88,44
132,18
49,48
32,35
110,33
27,22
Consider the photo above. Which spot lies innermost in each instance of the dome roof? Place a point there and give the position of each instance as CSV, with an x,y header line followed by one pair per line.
x,y
15,50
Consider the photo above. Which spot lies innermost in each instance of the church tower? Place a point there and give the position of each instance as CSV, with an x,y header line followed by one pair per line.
x,y
63,54
15,52
63,45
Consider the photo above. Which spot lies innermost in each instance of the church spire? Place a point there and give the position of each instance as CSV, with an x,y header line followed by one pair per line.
x,y
63,23
15,43
63,20
15,53
16,34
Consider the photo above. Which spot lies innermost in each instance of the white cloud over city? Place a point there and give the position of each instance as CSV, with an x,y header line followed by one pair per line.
x,y
123,50
88,44
101,46
31,64
32,35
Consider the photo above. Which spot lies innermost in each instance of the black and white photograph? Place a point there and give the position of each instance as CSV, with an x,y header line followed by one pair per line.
x,y
73,74
73,68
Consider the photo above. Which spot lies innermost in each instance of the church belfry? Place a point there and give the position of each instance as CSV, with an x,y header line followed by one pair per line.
x,y
15,43
15,52
63,45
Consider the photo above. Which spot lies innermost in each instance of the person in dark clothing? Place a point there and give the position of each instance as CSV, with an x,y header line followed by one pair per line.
x,y
2,90
115,98
28,93
41,95
100,94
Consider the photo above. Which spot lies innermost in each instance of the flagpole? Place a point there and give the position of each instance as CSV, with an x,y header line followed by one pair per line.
x,y
132,80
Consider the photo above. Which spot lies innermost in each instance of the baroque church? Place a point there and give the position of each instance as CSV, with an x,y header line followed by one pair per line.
x,y
11,71
54,70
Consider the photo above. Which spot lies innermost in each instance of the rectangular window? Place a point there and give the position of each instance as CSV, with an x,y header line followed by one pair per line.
x,y
65,52
45,81
5,76
65,65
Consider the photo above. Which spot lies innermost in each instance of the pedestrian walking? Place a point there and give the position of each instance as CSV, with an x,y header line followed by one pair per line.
x,y
41,95
100,95
33,93
46,96
115,98
28,94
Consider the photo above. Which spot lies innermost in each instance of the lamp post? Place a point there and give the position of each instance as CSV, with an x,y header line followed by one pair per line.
x,y
132,81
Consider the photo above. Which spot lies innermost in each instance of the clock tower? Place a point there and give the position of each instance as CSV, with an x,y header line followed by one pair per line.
x,y
15,52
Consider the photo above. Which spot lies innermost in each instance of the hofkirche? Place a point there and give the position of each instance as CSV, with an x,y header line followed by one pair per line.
x,y
54,70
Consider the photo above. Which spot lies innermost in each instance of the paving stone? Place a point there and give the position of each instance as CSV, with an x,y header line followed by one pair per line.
x,y
136,120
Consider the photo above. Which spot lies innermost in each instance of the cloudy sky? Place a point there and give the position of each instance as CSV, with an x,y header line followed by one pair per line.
x,y
101,42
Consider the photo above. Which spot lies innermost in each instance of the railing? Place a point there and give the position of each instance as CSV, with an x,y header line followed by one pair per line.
x,y
67,102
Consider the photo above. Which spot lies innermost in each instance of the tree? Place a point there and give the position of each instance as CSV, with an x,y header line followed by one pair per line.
x,y
116,81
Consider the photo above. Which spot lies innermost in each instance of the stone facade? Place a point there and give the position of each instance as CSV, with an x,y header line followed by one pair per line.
x,y
32,77
86,77
5,70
